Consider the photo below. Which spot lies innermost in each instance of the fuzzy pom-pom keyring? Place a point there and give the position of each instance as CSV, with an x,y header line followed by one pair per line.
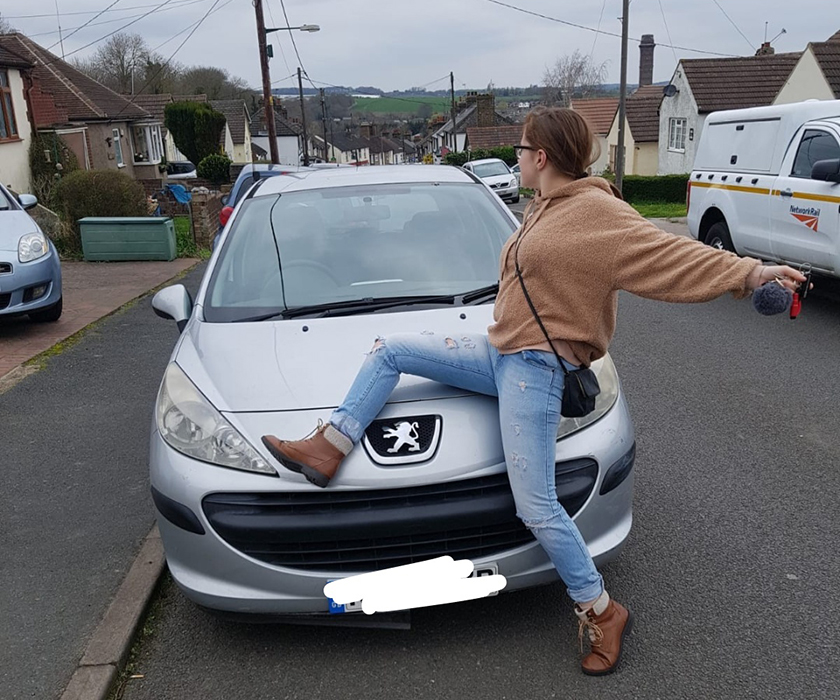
x,y
772,298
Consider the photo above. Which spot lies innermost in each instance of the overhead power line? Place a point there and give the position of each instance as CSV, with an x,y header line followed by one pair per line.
x,y
277,38
294,44
668,31
77,29
598,31
93,12
733,24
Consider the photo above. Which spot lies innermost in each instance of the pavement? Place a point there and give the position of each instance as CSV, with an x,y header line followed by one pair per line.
x,y
91,291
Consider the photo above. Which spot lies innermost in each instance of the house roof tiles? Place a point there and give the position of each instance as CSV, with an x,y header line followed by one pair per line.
x,y
237,116
598,111
735,83
77,95
643,113
492,136
827,54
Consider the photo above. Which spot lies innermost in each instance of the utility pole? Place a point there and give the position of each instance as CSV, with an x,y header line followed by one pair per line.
x,y
452,95
622,99
303,120
266,81
324,123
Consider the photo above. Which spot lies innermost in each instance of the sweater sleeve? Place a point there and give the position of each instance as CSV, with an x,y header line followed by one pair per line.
x,y
654,264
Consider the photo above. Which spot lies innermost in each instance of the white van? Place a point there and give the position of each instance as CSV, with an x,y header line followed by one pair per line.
x,y
766,183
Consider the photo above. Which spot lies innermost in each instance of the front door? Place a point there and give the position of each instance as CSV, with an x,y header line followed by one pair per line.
x,y
805,213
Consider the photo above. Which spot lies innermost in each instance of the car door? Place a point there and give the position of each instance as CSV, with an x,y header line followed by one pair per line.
x,y
805,213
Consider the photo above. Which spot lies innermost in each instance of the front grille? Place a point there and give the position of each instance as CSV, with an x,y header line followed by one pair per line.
x,y
419,429
354,531
5,268
5,299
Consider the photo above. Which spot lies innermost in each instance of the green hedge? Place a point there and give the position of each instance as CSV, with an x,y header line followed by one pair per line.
x,y
652,188
216,168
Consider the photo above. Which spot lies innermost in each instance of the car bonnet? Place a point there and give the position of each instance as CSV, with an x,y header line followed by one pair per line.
x,y
13,225
310,363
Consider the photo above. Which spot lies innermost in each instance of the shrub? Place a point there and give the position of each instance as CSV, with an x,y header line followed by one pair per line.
x,y
98,193
654,188
50,159
215,168
456,158
504,153
196,128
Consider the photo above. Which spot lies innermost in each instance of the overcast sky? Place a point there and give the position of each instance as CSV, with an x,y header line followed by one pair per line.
x,y
398,44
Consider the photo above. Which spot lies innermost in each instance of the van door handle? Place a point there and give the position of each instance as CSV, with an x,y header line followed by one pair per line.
x,y
786,193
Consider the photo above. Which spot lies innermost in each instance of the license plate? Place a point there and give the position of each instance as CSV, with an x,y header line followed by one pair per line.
x,y
356,606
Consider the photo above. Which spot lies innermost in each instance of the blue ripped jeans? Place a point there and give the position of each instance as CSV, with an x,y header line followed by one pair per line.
x,y
529,386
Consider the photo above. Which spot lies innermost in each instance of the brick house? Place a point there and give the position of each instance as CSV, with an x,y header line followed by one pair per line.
x,y
344,148
600,113
105,131
155,105
473,110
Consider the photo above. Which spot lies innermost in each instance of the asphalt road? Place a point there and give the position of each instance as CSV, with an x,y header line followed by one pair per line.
x,y
731,568
74,500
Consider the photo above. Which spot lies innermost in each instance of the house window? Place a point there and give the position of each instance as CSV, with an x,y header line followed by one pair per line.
x,y
148,144
118,148
8,126
676,134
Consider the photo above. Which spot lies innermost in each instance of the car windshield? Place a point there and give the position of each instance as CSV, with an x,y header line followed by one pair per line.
x,y
341,244
491,169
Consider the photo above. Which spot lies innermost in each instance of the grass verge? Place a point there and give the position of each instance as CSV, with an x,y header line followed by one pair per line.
x,y
660,210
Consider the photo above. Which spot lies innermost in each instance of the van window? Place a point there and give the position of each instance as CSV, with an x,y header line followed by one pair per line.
x,y
815,145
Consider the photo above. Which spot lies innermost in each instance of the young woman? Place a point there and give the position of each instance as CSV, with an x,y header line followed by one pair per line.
x,y
578,246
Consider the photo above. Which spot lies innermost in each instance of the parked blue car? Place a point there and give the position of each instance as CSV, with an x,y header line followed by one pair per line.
x,y
30,271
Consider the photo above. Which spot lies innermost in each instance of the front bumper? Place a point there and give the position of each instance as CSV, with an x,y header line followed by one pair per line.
x,y
18,281
262,536
507,192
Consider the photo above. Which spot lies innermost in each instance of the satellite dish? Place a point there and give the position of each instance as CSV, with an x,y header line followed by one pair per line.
x,y
669,90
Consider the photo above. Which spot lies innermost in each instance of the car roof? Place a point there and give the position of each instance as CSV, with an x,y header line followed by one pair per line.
x,y
363,175
486,160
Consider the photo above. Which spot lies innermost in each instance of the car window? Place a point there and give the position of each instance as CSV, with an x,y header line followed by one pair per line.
x,y
344,243
491,169
815,145
242,187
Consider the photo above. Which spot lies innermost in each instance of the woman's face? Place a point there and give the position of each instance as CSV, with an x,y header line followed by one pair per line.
x,y
528,165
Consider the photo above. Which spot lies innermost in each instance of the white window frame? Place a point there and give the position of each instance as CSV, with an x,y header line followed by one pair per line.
x,y
118,152
154,143
677,130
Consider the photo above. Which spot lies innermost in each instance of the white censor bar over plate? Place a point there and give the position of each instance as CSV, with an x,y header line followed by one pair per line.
x,y
434,582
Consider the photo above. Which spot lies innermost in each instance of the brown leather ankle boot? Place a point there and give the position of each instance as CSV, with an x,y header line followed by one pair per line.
x,y
607,628
317,457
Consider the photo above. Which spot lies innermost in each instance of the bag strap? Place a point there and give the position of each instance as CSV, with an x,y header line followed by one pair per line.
x,y
530,303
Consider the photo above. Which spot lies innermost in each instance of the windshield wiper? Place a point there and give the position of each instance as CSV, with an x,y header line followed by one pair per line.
x,y
339,308
476,294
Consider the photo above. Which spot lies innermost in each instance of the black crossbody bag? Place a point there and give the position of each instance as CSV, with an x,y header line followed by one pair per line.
x,y
580,387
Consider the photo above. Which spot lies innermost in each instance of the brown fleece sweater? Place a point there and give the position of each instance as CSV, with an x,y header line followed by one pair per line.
x,y
579,247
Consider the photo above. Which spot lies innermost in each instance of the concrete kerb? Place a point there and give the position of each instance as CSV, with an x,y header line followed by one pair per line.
x,y
108,648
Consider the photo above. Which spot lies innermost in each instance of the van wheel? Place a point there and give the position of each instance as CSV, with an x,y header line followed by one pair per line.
x,y
718,237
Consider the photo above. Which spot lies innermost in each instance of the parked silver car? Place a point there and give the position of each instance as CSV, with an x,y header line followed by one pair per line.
x,y
498,176
312,267
30,270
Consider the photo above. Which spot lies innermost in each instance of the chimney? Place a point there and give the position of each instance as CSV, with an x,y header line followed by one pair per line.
x,y
486,109
765,50
646,46
365,131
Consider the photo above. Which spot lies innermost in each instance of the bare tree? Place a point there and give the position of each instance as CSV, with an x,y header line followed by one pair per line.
x,y
5,27
573,76
119,63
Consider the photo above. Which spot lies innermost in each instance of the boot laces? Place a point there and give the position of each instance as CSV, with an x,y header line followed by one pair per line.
x,y
319,429
596,634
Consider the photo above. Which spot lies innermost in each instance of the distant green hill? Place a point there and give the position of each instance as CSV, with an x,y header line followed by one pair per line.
x,y
399,105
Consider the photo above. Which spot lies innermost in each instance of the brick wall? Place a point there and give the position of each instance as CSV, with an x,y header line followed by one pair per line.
x,y
205,209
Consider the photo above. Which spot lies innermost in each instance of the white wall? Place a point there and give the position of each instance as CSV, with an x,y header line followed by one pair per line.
x,y
681,105
287,146
629,144
228,148
603,160
14,155
805,82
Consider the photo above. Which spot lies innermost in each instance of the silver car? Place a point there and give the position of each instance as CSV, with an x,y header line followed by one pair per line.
x,y
310,269
30,270
498,176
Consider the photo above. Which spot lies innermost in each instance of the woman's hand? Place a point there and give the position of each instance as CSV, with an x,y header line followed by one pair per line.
x,y
786,276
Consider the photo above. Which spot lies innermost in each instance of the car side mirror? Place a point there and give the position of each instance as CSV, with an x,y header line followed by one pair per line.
x,y
27,201
826,170
225,199
174,303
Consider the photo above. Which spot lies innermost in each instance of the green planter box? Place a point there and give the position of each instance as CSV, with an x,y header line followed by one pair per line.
x,y
128,238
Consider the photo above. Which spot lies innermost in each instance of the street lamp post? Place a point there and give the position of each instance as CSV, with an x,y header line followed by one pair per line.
x,y
268,99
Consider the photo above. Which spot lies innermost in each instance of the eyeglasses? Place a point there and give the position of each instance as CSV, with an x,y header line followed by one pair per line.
x,y
519,148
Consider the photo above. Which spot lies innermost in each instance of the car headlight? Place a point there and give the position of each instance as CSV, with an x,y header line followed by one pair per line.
x,y
608,381
190,424
512,183
32,246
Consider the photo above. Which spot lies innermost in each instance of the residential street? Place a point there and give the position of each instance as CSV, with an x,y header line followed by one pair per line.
x,y
730,569
75,501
